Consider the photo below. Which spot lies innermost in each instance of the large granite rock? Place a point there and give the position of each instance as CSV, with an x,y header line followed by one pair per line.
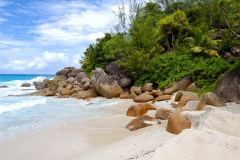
x,y
177,123
81,76
86,94
39,85
104,85
228,87
50,84
74,73
113,69
65,71
180,85
125,82
210,99
64,91
70,80
138,110
187,96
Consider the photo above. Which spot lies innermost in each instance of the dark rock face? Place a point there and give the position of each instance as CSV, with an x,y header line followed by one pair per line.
x,y
228,88
104,85
74,73
39,85
125,82
65,71
113,69
81,76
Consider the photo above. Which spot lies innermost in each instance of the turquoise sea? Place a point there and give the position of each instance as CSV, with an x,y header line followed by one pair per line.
x,y
23,114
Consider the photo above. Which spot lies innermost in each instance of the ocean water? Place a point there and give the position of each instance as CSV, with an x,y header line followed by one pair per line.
x,y
23,114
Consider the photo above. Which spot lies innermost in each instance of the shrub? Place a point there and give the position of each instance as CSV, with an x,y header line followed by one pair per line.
x,y
166,69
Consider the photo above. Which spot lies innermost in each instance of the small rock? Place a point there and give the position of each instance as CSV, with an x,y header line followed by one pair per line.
x,y
26,85
138,110
132,95
143,98
162,98
3,87
136,90
124,95
163,114
147,87
141,122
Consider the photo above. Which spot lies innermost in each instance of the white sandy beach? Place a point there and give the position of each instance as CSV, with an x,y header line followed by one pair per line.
x,y
215,134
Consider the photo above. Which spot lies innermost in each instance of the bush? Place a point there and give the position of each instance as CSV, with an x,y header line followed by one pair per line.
x,y
166,69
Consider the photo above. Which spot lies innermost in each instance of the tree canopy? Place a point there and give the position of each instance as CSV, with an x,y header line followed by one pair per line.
x,y
202,29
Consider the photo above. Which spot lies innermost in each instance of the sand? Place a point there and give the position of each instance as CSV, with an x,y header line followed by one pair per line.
x,y
215,134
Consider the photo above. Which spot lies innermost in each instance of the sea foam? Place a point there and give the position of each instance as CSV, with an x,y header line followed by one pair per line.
x,y
19,105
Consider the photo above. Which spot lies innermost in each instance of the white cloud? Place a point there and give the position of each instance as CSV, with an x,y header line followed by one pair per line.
x,y
62,28
4,3
71,23
2,20
47,62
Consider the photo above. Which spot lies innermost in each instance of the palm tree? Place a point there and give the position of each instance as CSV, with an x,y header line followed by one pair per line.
x,y
221,5
200,42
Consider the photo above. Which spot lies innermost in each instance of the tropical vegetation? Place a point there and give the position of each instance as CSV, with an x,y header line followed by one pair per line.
x,y
162,41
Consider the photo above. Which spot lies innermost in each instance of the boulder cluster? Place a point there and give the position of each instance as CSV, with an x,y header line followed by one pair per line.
x,y
175,121
72,82
113,84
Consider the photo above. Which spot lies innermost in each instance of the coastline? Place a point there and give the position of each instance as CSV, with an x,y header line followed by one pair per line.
x,y
65,141
102,137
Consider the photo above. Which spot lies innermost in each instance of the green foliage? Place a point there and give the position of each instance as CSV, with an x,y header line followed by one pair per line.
x,y
228,43
97,55
143,41
200,42
174,26
168,68
174,22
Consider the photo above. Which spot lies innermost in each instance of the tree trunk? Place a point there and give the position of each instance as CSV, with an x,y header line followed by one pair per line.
x,y
225,19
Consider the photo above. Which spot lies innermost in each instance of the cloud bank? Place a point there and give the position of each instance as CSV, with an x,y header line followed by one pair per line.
x,y
52,33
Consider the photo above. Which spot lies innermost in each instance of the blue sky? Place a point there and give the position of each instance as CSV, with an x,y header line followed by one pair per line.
x,y
45,36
